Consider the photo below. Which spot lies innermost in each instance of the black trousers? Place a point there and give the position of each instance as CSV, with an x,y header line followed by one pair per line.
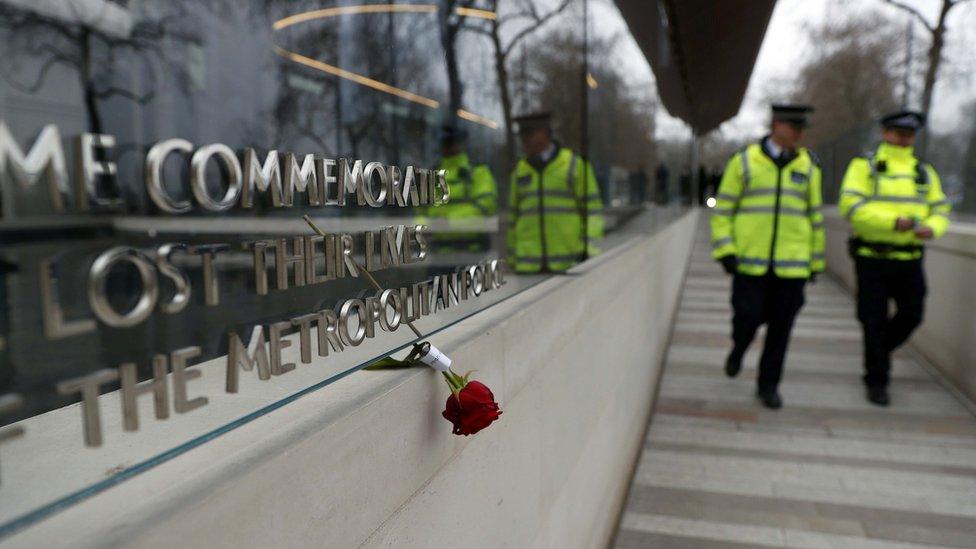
x,y
878,282
770,300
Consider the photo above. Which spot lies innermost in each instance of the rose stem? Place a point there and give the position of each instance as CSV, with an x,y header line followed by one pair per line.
x,y
369,276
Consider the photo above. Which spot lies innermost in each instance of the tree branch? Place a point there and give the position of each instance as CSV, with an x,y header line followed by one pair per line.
x,y
112,91
41,76
911,11
539,21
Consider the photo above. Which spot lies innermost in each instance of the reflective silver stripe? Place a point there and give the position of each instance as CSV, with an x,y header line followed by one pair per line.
x,y
571,175
729,197
939,203
745,167
777,263
820,256
873,170
765,192
853,193
571,185
722,242
798,194
752,261
893,198
789,263
721,211
817,225
854,208
783,210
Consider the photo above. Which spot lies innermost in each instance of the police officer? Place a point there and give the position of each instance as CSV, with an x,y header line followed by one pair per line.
x,y
894,203
767,231
474,193
554,203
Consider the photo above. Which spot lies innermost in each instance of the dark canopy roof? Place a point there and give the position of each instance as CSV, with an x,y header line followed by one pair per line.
x,y
702,52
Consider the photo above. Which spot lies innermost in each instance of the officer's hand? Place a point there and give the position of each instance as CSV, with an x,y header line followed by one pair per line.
x,y
729,263
923,232
904,224
813,278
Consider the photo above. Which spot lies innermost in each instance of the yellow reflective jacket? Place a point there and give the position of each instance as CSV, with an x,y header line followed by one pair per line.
x,y
473,195
547,211
768,215
473,189
884,185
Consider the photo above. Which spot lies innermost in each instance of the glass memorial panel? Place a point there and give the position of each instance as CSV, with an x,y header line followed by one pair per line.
x,y
159,284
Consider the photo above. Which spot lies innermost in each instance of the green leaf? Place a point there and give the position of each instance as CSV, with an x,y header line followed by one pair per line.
x,y
390,363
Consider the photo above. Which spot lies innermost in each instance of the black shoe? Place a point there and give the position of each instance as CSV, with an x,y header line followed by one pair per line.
x,y
770,399
878,396
733,364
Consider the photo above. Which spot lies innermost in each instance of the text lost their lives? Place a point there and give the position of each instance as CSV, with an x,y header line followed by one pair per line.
x,y
297,261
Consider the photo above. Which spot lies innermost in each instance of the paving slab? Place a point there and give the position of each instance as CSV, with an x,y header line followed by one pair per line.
x,y
829,469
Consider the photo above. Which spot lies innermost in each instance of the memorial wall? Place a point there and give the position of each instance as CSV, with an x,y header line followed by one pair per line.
x,y
213,208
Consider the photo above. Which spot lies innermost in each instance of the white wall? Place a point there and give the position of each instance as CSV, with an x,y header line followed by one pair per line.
x,y
369,461
947,337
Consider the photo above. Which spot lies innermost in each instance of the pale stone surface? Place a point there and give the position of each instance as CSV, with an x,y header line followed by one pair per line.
x,y
370,461
828,470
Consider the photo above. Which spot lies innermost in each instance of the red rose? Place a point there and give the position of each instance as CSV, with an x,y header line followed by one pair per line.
x,y
471,409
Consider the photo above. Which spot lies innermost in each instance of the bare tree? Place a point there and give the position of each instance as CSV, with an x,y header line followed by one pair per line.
x,y
82,42
937,33
852,80
527,19
451,25
622,117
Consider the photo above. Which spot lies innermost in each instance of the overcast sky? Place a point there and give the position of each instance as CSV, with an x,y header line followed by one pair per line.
x,y
785,47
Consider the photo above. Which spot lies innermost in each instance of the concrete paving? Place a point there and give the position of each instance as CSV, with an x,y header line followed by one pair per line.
x,y
828,470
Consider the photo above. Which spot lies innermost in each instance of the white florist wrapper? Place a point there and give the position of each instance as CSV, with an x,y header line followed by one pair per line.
x,y
436,359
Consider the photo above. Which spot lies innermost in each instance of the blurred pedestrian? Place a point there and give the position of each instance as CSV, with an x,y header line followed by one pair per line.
x,y
473,193
661,177
767,231
555,205
894,203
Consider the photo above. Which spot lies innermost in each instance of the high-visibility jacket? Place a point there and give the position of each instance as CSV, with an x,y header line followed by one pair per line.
x,y
770,216
548,211
473,194
473,189
883,185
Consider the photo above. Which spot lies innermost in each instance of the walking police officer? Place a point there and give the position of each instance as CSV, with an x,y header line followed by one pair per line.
x,y
554,202
767,231
894,202
473,193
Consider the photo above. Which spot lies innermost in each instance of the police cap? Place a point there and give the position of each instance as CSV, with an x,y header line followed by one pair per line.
x,y
533,121
904,120
793,114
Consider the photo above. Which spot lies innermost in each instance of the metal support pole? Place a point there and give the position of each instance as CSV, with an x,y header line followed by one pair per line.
x,y
694,169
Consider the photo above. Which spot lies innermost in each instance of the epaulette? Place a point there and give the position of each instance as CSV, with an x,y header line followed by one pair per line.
x,y
737,152
814,158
